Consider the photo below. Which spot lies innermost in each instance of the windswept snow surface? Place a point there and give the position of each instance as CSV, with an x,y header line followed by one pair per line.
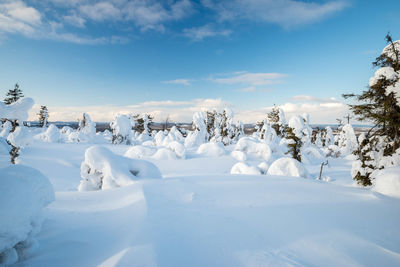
x,y
201,215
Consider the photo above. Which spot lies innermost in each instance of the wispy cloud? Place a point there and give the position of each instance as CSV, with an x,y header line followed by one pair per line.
x,y
286,13
312,99
200,33
186,82
251,79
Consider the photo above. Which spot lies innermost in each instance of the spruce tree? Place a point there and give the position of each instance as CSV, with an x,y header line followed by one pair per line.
x,y
294,144
43,116
379,104
13,95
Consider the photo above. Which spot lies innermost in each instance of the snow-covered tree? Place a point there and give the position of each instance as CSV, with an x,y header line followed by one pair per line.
x,y
143,122
199,134
121,128
13,95
347,140
43,116
380,104
294,143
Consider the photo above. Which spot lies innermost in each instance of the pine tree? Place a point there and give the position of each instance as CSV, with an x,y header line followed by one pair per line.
x,y
294,144
13,95
380,104
142,122
43,116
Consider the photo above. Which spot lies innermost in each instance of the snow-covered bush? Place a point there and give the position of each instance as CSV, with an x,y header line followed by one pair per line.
x,y
140,151
199,135
86,131
347,140
5,129
211,149
288,167
121,128
243,168
52,134
239,155
24,192
253,147
103,169
164,154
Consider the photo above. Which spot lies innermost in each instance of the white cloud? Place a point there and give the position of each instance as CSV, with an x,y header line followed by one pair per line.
x,y
182,111
186,82
75,20
286,13
307,98
101,11
200,33
252,79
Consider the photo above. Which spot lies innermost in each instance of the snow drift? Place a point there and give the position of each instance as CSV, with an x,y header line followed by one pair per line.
x,y
103,169
287,167
24,192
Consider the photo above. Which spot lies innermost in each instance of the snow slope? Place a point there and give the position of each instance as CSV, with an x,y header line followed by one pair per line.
x,y
200,215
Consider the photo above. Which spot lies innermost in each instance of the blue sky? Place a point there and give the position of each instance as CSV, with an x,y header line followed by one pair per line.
x,y
176,57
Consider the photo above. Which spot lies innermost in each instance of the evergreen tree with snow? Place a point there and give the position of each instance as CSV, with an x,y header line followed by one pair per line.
x,y
43,116
13,95
294,143
143,122
380,104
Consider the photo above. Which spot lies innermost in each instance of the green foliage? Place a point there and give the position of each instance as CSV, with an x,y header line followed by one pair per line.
x,y
140,122
294,144
43,116
13,95
380,107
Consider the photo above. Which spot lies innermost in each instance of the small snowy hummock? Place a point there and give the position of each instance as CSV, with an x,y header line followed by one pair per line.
x,y
287,167
102,169
211,149
244,168
387,181
24,192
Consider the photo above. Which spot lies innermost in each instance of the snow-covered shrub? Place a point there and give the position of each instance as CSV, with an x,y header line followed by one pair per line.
x,y
288,167
329,138
52,134
347,140
24,192
140,151
199,135
253,147
121,128
164,154
211,149
177,148
86,131
18,139
103,169
243,168
387,181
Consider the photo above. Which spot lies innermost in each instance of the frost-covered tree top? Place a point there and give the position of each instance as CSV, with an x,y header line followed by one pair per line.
x,y
16,111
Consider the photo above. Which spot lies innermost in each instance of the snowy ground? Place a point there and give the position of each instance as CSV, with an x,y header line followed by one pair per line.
x,y
200,215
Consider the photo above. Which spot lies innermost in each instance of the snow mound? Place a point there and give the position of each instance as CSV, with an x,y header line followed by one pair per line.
x,y
24,192
243,168
52,134
137,152
251,146
238,155
287,167
211,149
164,154
387,182
103,169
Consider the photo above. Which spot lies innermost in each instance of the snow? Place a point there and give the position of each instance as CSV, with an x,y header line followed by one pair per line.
x,y
288,167
24,192
201,215
387,182
102,169
243,168
18,110
211,149
122,129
